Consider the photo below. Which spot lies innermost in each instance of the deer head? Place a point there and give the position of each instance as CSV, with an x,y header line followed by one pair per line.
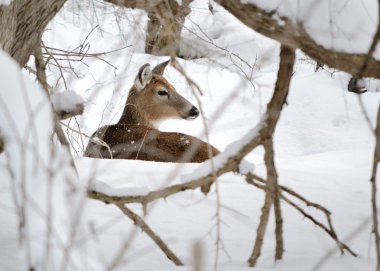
x,y
156,100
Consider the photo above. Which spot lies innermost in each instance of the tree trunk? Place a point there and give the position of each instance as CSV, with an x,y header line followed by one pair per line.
x,y
166,18
165,26
22,24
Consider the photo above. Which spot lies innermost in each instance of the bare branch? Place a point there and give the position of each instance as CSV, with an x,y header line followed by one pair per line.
x,y
1,145
251,179
41,77
139,222
375,219
287,58
329,231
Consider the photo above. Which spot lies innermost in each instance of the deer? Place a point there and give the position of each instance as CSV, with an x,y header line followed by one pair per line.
x,y
151,100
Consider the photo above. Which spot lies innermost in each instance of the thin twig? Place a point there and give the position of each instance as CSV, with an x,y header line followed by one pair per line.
x,y
375,220
139,222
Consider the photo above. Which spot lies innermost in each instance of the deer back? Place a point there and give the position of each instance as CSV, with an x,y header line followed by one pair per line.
x,y
142,143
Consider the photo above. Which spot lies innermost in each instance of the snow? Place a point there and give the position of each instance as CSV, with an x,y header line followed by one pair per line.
x,y
40,177
369,84
66,101
5,2
214,36
323,146
99,186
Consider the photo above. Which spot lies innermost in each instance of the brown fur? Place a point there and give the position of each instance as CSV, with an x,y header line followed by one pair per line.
x,y
134,136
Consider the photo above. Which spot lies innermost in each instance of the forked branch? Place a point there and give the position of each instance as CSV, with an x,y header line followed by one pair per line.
x,y
287,58
329,229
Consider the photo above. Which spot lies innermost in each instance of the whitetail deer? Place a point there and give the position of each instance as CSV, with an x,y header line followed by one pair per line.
x,y
151,100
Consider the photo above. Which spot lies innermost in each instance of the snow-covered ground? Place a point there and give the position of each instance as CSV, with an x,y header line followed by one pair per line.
x,y
323,145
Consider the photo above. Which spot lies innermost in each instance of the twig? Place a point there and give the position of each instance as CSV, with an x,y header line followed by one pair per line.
x,y
41,77
329,231
139,222
57,65
375,220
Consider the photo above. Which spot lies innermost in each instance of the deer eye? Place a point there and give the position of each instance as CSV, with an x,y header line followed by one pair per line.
x,y
163,93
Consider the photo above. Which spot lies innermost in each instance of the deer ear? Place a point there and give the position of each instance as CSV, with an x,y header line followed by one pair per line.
x,y
143,77
160,68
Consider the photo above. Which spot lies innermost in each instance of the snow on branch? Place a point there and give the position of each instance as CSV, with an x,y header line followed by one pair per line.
x,y
104,188
67,104
293,34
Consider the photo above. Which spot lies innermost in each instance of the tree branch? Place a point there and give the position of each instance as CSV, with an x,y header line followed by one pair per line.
x,y
287,58
139,222
375,220
295,36
1,145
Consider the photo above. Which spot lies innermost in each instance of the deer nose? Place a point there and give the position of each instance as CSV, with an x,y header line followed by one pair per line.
x,y
194,113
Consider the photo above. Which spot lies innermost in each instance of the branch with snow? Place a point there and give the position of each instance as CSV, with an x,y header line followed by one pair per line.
x,y
67,104
293,34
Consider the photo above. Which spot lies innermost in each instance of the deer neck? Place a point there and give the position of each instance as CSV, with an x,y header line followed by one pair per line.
x,y
131,115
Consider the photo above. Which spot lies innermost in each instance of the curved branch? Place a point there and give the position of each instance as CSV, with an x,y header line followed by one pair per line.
x,y
295,36
139,222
